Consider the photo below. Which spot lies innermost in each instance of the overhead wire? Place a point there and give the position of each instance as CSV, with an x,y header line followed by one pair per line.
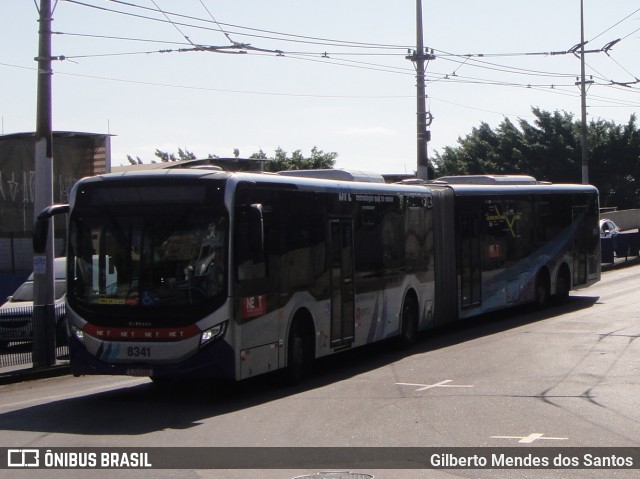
x,y
272,32
616,24
472,62
609,45
112,37
220,90
327,58
216,22
172,23
467,60
431,78
287,36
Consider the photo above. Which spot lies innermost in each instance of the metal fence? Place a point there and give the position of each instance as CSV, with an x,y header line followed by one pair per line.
x,y
624,245
16,335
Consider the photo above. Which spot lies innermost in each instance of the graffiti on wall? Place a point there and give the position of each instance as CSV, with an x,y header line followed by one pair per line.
x,y
75,155
19,188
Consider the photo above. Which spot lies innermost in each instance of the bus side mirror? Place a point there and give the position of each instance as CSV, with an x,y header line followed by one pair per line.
x,y
41,226
256,232
250,242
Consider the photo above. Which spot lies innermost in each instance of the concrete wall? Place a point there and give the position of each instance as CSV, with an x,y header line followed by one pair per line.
x,y
625,219
75,155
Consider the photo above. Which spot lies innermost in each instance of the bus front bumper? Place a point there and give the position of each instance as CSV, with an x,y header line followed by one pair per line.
x,y
215,361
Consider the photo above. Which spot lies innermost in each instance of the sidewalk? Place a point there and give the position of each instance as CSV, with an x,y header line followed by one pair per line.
x,y
621,263
26,372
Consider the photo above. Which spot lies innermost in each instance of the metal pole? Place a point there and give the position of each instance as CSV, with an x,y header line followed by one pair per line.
x,y
422,159
44,310
423,136
583,99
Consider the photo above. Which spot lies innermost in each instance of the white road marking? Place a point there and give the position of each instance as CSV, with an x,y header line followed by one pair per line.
x,y
534,436
441,384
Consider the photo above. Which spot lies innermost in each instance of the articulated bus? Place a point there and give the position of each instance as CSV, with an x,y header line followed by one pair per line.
x,y
231,275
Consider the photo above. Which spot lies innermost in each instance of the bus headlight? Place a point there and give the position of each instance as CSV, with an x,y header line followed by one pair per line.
x,y
213,333
77,333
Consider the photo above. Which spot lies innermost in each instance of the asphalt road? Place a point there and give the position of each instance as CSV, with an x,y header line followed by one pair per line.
x,y
568,376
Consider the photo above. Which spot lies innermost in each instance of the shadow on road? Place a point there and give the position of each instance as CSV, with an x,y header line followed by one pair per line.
x,y
148,408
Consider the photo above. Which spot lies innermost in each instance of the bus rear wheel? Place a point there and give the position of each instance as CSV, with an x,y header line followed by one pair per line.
x,y
543,290
563,285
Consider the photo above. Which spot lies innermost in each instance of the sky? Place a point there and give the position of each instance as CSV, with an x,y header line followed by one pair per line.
x,y
296,74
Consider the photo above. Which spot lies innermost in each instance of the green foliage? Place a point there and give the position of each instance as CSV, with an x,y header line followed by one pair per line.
x,y
182,155
136,161
549,149
318,160
280,162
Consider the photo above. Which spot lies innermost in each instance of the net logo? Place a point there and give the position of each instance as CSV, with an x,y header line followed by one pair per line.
x,y
23,458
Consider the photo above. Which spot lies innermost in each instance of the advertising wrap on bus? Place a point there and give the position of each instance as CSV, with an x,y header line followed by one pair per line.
x,y
195,273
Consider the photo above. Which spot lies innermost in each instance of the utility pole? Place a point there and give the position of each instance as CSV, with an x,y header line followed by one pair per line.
x,y
44,309
583,99
418,57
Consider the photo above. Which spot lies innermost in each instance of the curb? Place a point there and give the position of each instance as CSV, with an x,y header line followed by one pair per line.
x,y
620,263
20,375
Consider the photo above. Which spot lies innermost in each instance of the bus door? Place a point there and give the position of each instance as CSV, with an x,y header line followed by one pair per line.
x,y
580,239
470,261
342,282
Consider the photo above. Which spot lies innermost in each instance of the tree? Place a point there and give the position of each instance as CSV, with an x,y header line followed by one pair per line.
x,y
297,161
617,169
279,162
137,161
182,155
554,147
549,149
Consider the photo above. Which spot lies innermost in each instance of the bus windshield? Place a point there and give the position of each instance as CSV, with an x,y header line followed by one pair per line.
x,y
152,255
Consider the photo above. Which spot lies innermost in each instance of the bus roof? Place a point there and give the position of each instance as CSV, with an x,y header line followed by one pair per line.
x,y
337,174
489,180
510,189
328,183
303,182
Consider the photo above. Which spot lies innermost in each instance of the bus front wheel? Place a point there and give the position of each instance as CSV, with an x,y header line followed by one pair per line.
x,y
409,321
300,353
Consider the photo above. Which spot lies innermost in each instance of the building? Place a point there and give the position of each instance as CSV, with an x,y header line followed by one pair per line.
x,y
75,155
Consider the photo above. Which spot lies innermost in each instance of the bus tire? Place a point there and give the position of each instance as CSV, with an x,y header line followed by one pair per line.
x,y
543,289
61,333
409,321
563,285
300,352
164,383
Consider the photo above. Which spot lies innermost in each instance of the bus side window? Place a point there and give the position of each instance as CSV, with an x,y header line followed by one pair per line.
x,y
250,258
